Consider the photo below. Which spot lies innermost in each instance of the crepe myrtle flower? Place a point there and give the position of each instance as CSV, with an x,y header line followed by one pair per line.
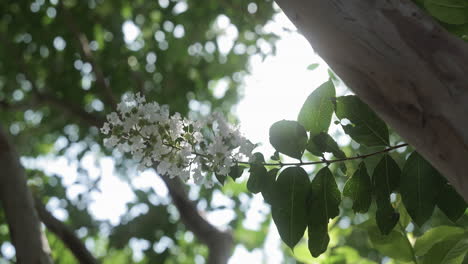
x,y
176,146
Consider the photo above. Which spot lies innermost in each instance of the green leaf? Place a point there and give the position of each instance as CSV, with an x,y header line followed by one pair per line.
x,y
317,110
433,236
289,204
451,251
318,237
386,218
448,11
313,66
258,177
324,204
359,189
451,203
386,178
394,245
366,127
268,190
419,187
289,138
323,142
221,178
236,171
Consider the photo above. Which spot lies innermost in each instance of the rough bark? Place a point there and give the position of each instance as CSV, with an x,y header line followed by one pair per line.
x,y
219,243
404,65
65,234
24,226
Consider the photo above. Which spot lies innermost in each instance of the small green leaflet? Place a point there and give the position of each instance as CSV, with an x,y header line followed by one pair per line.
x,y
386,179
451,251
323,142
366,127
419,186
450,202
313,66
453,12
258,173
289,138
435,235
323,205
220,178
289,204
317,110
236,171
393,245
359,189
268,190
257,178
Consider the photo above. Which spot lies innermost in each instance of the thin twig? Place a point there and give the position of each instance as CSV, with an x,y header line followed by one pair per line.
x,y
281,164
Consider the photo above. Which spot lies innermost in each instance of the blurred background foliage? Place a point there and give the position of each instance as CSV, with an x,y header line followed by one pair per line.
x,y
65,64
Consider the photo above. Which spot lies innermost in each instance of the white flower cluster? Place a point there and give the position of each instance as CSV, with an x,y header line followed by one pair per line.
x,y
178,146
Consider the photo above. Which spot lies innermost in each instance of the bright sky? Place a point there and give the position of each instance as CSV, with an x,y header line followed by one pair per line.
x,y
274,91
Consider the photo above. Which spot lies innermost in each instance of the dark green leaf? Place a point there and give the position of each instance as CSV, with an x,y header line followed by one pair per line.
x,y
275,156
450,202
435,235
366,127
313,66
386,218
324,204
419,186
318,237
257,178
268,190
289,138
394,245
289,204
236,171
323,142
450,251
359,189
317,110
221,178
448,11
386,178
257,158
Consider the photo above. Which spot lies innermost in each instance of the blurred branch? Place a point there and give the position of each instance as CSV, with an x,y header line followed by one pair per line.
x,y
71,109
23,222
41,97
219,243
65,234
87,53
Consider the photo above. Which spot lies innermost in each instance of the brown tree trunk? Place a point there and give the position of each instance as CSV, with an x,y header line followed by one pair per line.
x,y
396,58
15,197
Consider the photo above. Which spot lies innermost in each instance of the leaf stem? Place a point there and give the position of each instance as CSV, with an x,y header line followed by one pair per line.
x,y
281,164
413,254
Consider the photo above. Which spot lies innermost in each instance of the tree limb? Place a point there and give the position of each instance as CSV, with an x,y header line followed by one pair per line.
x,y
87,54
65,234
402,63
15,196
218,242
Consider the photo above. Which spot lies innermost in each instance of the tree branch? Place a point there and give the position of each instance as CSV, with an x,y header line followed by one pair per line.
x,y
87,53
65,234
218,242
23,222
